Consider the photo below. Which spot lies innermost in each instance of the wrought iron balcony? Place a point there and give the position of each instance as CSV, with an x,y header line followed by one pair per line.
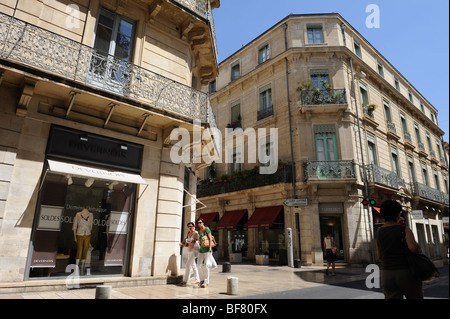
x,y
262,114
379,175
42,50
427,192
421,146
321,97
391,126
244,181
408,137
329,170
445,198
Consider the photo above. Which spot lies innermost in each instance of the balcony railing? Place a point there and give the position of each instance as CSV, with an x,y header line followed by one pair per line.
x,y
329,170
282,175
37,48
262,114
427,192
321,97
408,137
391,126
379,175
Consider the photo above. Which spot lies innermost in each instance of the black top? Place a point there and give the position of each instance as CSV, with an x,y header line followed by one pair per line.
x,y
392,243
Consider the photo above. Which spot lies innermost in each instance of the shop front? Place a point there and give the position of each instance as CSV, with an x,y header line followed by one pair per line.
x,y
232,226
270,240
85,207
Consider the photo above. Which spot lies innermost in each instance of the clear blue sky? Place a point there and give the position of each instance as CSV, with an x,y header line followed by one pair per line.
x,y
413,35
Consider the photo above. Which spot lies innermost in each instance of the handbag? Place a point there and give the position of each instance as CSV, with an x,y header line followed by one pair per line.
x,y
420,266
205,241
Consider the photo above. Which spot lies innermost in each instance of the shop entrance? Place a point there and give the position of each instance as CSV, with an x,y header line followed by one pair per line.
x,y
81,222
333,224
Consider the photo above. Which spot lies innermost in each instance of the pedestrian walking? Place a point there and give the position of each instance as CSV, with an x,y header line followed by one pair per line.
x,y
393,242
204,253
330,252
190,243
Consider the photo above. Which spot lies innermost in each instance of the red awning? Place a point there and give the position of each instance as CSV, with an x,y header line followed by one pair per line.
x,y
208,218
263,217
230,220
377,209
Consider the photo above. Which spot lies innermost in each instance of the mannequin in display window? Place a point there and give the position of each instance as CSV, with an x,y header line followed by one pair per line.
x,y
82,227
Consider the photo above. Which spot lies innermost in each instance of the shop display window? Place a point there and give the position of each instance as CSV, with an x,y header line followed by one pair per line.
x,y
82,224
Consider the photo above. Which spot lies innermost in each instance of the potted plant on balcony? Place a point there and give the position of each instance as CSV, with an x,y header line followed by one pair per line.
x,y
326,85
371,107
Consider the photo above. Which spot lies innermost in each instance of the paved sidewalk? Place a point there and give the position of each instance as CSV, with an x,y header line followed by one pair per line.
x,y
253,280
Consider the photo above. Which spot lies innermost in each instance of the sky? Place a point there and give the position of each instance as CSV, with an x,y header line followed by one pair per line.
x,y
412,35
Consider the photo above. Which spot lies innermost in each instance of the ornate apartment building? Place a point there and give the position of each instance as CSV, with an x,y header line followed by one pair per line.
x,y
350,127
90,92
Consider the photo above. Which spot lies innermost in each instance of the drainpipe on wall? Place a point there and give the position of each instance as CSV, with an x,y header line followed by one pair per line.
x,y
289,111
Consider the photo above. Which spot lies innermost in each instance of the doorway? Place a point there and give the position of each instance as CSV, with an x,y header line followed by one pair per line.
x,y
333,224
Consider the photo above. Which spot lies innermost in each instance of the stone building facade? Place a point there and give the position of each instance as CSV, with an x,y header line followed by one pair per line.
x,y
342,112
90,92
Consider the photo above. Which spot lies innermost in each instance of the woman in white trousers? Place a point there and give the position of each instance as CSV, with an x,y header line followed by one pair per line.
x,y
204,253
189,242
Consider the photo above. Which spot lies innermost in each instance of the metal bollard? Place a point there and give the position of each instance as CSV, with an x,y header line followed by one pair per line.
x,y
232,285
226,267
103,292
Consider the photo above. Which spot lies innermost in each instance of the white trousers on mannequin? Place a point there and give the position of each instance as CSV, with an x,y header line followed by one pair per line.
x,y
203,270
191,263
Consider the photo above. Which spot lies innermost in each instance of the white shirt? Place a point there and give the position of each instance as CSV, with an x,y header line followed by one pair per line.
x,y
82,225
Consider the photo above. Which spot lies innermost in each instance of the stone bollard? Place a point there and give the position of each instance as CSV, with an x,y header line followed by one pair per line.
x,y
103,292
232,285
226,267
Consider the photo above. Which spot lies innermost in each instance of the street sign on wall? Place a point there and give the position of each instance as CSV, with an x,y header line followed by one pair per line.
x,y
296,202
417,214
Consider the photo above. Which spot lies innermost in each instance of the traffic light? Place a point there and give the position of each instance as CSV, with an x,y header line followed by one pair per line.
x,y
366,202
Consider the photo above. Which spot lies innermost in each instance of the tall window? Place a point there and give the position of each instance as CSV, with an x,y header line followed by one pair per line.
x,y
395,165
387,112
113,41
364,96
235,71
326,149
416,128
236,114
429,143
380,69
425,174
318,77
446,184
411,99
265,102
438,146
372,149
315,33
404,125
263,53
114,34
212,87
436,180
412,173
357,47
397,84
